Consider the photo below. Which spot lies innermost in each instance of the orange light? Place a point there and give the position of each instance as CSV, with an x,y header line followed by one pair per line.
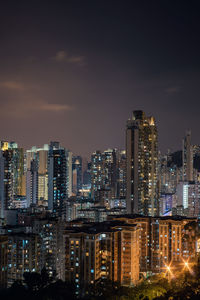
x,y
186,265
168,272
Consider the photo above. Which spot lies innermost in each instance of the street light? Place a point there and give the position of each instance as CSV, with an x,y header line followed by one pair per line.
x,y
186,265
169,272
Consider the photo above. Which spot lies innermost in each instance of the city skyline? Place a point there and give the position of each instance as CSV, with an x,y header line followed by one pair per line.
x,y
99,149
74,72
87,154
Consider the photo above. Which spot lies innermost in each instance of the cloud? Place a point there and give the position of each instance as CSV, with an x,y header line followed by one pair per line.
x,y
23,109
63,56
173,90
55,107
12,85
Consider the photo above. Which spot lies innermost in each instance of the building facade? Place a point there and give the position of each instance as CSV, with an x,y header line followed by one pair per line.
x,y
109,250
142,165
58,177
187,156
104,176
3,261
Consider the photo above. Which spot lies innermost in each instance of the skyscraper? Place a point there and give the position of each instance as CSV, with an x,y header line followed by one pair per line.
x,y
58,177
32,184
104,175
121,174
96,173
77,176
13,165
142,161
187,158
110,171
2,201
23,255
40,156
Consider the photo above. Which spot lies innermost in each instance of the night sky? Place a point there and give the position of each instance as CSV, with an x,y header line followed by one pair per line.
x,y
74,71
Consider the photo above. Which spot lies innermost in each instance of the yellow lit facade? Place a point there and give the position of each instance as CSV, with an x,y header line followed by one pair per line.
x,y
111,254
163,241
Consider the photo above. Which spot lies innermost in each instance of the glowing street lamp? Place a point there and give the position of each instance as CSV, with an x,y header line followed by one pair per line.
x,y
169,272
186,265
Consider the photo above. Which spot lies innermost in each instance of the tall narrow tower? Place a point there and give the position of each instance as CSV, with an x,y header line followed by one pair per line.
x,y
32,184
13,172
59,165
141,168
187,158
2,196
104,174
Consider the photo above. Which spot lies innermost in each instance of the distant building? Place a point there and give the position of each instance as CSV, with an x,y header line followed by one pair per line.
x,y
2,197
32,184
170,172
121,174
104,176
59,166
40,156
166,202
96,173
187,199
77,176
12,172
187,158
87,173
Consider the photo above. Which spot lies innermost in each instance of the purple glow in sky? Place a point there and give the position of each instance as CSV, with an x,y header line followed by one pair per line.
x,y
73,71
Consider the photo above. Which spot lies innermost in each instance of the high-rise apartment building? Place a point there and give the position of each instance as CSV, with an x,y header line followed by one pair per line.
x,y
187,156
87,173
125,247
12,171
110,171
121,174
162,241
187,199
40,156
104,176
32,184
142,165
77,176
49,231
2,200
59,167
109,250
170,172
173,243
96,173
23,255
8,179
